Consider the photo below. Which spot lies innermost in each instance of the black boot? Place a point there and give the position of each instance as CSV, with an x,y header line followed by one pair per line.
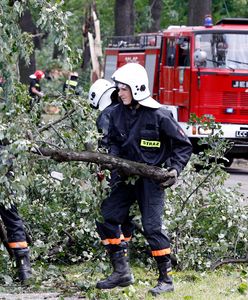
x,y
121,275
23,264
164,284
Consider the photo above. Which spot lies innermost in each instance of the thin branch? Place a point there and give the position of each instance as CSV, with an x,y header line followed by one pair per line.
x,y
37,35
59,135
221,262
48,126
199,185
47,143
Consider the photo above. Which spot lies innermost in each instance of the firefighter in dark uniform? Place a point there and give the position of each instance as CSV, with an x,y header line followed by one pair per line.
x,y
35,88
103,96
70,87
140,130
15,232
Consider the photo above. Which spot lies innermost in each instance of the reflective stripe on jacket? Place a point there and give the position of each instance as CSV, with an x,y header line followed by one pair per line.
x,y
70,86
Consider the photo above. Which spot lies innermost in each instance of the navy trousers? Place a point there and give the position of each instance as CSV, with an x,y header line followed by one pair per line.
x,y
14,226
115,211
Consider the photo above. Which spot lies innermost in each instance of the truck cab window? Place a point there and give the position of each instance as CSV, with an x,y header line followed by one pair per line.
x,y
170,52
183,52
224,50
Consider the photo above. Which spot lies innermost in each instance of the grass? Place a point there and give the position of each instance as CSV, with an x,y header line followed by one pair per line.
x,y
218,285
79,280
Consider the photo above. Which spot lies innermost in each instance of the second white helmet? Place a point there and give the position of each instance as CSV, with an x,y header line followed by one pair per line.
x,y
100,94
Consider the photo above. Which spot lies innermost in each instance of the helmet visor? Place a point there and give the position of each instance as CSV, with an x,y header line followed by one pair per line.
x,y
150,102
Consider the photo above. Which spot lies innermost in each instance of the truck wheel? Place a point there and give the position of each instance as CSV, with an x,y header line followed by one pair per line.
x,y
228,161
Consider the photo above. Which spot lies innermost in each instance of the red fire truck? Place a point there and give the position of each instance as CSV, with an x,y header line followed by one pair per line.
x,y
195,69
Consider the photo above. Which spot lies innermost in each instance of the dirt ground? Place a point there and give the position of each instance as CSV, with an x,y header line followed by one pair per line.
x,y
36,296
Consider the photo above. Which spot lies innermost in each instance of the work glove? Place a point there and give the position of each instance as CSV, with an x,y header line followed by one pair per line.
x,y
171,179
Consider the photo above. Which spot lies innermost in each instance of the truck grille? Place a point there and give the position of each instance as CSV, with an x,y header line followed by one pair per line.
x,y
230,99
236,100
227,105
244,112
244,99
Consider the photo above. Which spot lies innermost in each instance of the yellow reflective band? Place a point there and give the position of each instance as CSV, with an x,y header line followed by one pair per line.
x,y
146,143
72,82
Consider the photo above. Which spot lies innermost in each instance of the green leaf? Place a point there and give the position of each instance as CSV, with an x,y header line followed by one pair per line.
x,y
243,288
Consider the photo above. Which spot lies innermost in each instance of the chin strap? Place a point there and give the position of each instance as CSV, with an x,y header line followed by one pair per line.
x,y
134,104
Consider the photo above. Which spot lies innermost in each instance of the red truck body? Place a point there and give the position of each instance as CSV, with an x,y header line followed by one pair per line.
x,y
200,70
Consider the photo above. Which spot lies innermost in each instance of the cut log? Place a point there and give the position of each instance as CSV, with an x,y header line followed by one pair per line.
x,y
110,162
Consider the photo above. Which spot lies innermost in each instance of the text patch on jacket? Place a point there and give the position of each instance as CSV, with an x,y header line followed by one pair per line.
x,y
147,143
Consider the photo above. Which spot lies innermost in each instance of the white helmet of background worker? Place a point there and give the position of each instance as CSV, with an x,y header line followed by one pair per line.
x,y
100,94
74,74
135,76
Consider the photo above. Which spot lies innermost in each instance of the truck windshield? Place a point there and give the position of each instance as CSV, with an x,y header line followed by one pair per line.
x,y
223,50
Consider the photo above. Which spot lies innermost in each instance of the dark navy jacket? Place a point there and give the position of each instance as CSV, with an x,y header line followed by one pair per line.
x,y
34,83
149,136
102,124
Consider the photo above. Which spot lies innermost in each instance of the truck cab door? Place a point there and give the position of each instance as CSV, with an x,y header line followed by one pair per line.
x,y
174,88
182,73
167,72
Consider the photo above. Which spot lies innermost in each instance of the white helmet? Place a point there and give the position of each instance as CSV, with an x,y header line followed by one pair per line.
x,y
200,56
100,93
74,74
135,76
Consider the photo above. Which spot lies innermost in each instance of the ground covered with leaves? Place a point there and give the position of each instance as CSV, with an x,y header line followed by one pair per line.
x,y
78,282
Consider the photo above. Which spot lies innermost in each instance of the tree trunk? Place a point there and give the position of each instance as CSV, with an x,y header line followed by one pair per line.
x,y
56,52
26,24
86,28
26,70
92,50
124,17
198,9
156,8
110,162
95,49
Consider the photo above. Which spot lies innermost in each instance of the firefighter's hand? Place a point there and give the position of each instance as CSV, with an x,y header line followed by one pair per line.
x,y
171,179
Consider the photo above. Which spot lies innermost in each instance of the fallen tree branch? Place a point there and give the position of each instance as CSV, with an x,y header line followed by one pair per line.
x,y
108,161
198,186
49,125
221,262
